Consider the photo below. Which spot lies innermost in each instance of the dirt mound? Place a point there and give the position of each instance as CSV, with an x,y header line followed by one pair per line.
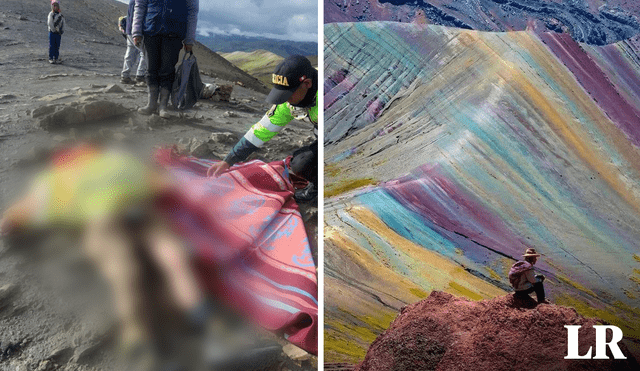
x,y
444,332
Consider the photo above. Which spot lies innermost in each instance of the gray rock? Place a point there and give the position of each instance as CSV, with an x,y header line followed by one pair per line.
x,y
44,110
113,88
200,149
230,114
83,352
155,121
226,137
306,141
64,118
119,137
7,291
84,93
61,354
100,110
295,353
183,145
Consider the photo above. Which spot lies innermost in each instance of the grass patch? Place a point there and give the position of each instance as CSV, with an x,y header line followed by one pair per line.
x,y
348,340
464,291
419,293
576,285
636,257
331,170
341,349
494,275
630,328
347,185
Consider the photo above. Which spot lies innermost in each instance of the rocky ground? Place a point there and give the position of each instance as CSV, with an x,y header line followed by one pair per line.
x,y
43,106
443,332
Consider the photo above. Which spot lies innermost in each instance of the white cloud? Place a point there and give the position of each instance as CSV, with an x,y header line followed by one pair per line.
x,y
280,19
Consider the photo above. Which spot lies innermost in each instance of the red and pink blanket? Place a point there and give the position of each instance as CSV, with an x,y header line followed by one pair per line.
x,y
250,242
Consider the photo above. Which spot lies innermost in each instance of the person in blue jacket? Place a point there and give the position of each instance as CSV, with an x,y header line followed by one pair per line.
x,y
55,22
164,27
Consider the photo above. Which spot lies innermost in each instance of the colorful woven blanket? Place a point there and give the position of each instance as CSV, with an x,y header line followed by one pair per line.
x,y
250,242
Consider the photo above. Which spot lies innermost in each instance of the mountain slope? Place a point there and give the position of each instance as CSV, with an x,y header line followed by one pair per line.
x,y
593,22
235,43
258,63
93,23
475,146
447,333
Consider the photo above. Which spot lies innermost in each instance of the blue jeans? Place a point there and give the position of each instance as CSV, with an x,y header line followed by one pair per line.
x,y
54,45
162,56
133,57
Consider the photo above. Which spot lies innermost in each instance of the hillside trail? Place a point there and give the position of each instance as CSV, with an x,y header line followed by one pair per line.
x,y
41,328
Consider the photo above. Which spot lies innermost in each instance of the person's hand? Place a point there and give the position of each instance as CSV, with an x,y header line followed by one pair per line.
x,y
188,48
137,40
218,168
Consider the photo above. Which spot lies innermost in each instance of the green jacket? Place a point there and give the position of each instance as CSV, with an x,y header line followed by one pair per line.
x,y
269,126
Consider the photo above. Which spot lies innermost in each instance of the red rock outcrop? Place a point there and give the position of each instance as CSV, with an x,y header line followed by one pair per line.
x,y
444,332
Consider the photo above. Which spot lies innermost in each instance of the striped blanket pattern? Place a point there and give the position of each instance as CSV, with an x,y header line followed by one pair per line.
x,y
250,242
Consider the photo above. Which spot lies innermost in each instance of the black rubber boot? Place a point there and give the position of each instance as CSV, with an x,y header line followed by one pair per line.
x,y
153,101
164,102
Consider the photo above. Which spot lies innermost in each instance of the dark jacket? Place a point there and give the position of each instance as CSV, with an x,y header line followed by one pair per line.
x,y
132,6
166,17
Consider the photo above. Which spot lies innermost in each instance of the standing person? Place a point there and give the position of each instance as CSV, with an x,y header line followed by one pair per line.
x,y
295,91
55,22
133,53
523,278
167,26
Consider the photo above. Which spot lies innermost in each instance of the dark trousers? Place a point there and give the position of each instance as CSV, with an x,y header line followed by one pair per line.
x,y
162,56
305,162
538,288
54,45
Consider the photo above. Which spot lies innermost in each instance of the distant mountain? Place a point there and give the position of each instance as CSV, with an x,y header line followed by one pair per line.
x,y
283,48
592,22
259,63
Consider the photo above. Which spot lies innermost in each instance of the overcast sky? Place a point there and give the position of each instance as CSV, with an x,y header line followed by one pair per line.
x,y
279,19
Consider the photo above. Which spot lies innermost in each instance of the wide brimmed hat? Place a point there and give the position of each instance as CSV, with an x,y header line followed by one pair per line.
x,y
531,252
288,76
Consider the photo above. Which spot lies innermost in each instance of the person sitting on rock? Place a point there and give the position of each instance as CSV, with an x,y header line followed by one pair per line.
x,y
55,21
295,92
133,52
524,280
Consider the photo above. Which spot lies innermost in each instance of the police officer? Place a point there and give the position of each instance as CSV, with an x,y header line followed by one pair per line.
x,y
294,96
